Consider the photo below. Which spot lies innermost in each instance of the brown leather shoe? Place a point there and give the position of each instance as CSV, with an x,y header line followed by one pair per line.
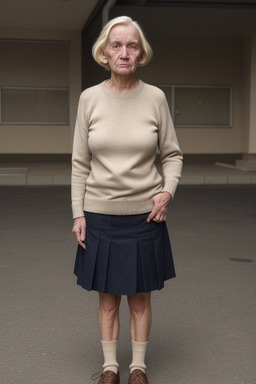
x,y
138,377
109,377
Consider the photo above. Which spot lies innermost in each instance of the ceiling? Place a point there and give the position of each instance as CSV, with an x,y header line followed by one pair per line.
x,y
169,17
45,14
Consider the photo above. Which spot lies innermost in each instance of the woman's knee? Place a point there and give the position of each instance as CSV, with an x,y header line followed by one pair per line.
x,y
139,303
109,304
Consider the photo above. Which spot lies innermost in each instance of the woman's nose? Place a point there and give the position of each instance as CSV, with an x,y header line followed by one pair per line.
x,y
124,53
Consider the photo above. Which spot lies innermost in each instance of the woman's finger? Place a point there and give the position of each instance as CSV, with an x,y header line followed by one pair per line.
x,y
152,214
79,230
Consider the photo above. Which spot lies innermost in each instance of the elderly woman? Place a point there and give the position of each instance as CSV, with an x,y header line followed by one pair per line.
x,y
119,199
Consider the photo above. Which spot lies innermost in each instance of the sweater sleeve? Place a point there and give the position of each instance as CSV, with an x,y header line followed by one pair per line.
x,y
170,153
81,157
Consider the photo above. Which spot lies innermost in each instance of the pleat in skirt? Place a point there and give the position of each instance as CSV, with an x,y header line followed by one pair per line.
x,y
124,255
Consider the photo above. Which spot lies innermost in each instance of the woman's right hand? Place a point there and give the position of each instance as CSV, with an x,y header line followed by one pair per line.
x,y
79,230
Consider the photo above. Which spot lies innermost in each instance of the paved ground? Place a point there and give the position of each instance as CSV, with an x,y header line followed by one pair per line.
x,y
204,329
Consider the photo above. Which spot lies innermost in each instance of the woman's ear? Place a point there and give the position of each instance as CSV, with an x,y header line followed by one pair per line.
x,y
103,58
141,59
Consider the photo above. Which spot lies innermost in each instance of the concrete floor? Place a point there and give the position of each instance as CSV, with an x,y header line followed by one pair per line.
x,y
204,328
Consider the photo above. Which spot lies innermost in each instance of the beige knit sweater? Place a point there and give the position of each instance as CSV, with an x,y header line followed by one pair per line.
x,y
115,145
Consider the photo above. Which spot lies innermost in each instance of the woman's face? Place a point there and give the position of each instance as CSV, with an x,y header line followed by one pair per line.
x,y
122,51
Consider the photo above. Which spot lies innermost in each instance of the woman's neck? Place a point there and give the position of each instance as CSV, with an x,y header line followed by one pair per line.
x,y
121,84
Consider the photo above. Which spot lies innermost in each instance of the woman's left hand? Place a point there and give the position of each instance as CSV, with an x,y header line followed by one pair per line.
x,y
161,202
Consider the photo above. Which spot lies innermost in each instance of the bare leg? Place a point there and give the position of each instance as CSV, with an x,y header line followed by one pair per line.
x,y
109,329
140,323
109,316
140,316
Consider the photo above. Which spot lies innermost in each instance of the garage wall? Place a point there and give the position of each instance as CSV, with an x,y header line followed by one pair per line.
x,y
211,61
43,60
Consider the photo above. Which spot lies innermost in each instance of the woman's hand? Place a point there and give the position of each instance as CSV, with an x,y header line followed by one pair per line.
x,y
79,229
161,202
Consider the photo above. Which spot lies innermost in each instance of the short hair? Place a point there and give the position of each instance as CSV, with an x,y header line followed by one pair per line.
x,y
97,49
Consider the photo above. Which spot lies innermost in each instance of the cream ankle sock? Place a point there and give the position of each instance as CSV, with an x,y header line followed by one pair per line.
x,y
109,349
138,356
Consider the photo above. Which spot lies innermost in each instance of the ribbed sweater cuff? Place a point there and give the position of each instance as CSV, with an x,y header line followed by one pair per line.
x,y
170,187
77,209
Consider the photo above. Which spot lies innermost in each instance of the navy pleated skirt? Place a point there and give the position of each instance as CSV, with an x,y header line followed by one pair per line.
x,y
124,255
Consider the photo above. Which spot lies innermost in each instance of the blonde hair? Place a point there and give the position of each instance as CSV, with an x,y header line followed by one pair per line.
x,y
97,49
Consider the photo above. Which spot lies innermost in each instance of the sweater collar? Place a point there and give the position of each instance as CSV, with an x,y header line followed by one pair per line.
x,y
126,95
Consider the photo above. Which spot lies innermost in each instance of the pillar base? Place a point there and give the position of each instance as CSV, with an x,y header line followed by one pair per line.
x,y
246,165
